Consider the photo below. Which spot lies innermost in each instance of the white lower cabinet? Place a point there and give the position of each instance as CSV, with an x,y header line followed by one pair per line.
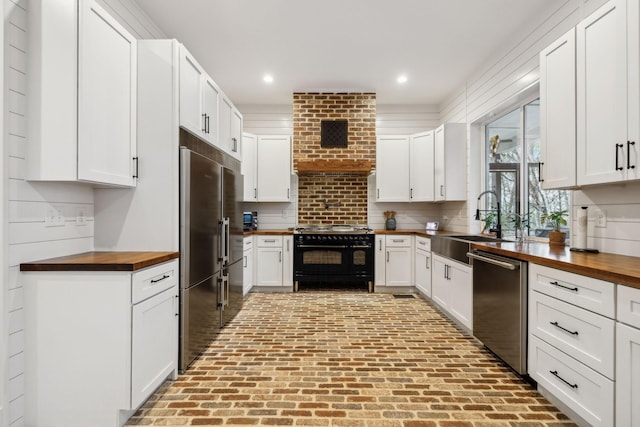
x,y
628,357
247,265
422,265
274,261
452,289
572,341
394,260
97,343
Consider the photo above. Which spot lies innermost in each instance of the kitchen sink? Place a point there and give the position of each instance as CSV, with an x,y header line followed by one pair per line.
x,y
455,247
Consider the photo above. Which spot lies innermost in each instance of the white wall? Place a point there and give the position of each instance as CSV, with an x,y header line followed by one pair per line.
x,y
27,238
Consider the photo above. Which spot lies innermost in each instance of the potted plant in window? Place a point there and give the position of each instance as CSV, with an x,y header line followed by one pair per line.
x,y
489,221
557,218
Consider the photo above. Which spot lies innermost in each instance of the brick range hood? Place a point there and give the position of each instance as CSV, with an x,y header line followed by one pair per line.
x,y
332,183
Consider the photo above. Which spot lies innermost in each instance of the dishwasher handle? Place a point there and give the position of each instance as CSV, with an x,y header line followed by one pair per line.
x,y
503,264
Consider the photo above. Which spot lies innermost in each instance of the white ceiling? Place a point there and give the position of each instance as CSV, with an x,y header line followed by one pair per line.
x,y
345,45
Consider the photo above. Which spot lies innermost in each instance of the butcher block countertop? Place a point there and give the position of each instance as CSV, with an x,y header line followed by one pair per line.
x,y
610,267
268,232
101,261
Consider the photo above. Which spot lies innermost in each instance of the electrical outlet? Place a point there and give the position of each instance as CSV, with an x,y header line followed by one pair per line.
x,y
53,217
601,219
81,215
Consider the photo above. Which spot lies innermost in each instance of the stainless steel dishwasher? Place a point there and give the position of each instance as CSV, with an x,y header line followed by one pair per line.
x,y
500,306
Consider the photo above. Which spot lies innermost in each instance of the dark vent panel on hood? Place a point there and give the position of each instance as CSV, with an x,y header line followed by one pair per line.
x,y
334,133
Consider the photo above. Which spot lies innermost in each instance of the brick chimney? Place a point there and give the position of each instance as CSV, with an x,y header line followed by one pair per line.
x,y
332,183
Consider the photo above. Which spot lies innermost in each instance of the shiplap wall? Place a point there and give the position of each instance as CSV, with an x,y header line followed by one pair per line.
x,y
27,237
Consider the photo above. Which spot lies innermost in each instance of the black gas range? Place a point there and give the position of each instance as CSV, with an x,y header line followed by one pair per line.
x,y
333,255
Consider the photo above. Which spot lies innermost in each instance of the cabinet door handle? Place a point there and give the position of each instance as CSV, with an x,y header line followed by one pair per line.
x,y
380,246
618,147
287,245
540,172
397,240
207,121
629,144
235,144
557,325
255,193
136,161
269,240
555,374
442,190
555,283
427,263
280,257
164,276
377,193
422,243
411,193
387,256
204,123
288,195
245,262
177,305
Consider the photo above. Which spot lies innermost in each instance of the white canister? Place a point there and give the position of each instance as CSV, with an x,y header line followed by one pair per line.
x,y
580,235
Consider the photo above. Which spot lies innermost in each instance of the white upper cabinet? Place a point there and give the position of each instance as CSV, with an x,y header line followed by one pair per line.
x,y
558,113
199,99
450,162
230,127
608,93
421,161
82,95
249,166
392,169
274,168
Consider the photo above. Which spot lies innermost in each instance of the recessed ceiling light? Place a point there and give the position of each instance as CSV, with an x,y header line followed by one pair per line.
x,y
268,78
402,79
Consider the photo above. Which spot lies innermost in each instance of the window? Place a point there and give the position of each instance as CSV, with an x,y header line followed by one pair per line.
x,y
512,171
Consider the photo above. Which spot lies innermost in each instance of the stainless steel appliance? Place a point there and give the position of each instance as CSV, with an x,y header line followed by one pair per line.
x,y
210,247
333,255
500,307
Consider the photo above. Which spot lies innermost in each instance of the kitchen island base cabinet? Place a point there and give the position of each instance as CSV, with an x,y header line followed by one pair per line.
x,y
97,344
422,265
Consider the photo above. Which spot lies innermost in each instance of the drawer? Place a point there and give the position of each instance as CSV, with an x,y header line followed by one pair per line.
x,y
628,306
247,243
588,393
582,334
423,243
404,241
586,292
153,280
269,241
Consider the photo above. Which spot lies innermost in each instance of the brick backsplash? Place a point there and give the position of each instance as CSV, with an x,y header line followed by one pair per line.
x,y
345,193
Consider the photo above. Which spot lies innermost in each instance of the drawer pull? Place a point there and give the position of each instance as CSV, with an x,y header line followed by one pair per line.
x,y
164,276
555,374
397,240
269,240
422,243
555,283
564,329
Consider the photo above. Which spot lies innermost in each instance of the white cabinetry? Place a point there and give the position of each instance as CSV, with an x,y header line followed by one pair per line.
x,y
380,273
82,95
450,162
399,260
452,289
558,112
273,168
628,357
115,330
404,168
392,169
249,166
230,128
422,265
274,261
192,77
608,93
571,341
247,265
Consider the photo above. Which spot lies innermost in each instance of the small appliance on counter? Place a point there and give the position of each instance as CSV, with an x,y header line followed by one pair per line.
x,y
250,221
432,225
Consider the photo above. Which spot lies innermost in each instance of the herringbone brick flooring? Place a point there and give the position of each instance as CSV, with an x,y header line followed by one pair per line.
x,y
346,359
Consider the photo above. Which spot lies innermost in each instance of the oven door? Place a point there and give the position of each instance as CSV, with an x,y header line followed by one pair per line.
x,y
318,261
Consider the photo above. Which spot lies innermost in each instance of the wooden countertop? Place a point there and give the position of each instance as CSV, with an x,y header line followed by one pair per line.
x,y
611,267
274,232
416,232
101,261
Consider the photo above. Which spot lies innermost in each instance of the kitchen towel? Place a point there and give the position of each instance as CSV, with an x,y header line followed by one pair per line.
x,y
582,217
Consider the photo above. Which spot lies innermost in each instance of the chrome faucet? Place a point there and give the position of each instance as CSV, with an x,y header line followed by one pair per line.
x,y
498,225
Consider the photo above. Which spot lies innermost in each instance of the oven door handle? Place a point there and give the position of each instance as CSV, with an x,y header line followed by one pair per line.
x,y
506,265
322,246
362,247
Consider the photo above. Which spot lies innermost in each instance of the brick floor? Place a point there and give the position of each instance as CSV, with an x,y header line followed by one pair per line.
x,y
346,359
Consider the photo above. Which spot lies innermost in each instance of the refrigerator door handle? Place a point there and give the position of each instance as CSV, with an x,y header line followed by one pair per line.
x,y
227,239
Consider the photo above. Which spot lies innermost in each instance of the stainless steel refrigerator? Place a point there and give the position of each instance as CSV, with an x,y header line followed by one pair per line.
x,y
210,248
